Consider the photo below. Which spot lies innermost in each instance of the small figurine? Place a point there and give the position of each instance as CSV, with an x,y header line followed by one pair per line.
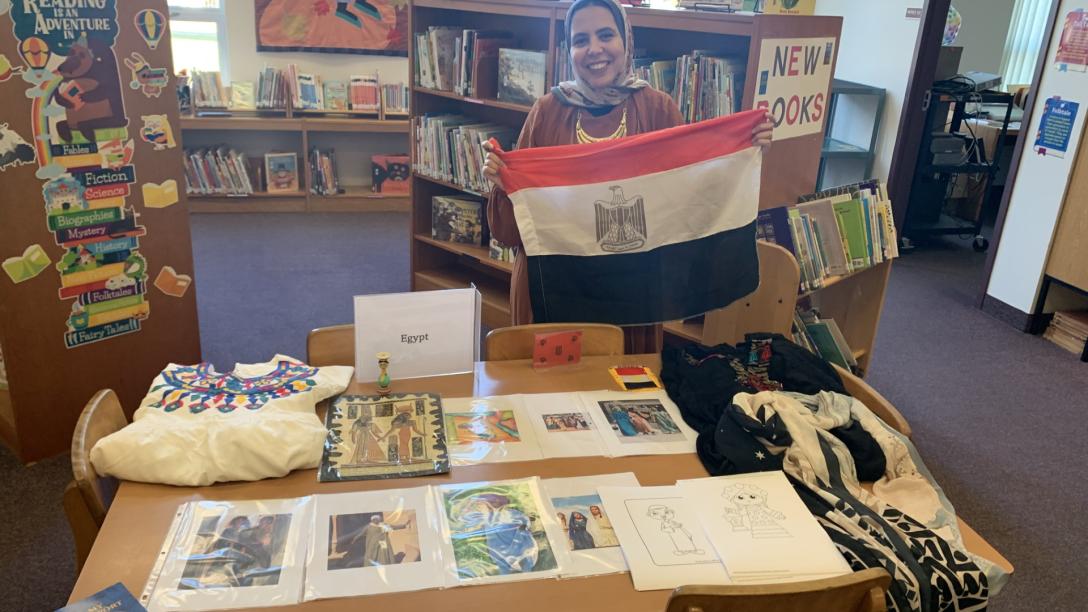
x,y
383,378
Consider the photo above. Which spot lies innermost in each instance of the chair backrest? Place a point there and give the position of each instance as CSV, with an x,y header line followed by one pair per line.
x,y
334,345
856,592
84,527
517,342
101,417
769,308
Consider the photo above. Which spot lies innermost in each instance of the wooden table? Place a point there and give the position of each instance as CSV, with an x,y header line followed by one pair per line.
x,y
141,513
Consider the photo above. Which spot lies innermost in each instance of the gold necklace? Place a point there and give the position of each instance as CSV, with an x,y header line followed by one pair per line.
x,y
585,138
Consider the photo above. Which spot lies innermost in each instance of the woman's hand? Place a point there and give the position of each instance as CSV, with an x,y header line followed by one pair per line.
x,y
491,166
762,133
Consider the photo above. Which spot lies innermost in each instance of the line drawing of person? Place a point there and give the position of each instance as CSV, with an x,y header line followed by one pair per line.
x,y
506,529
404,426
580,539
622,421
747,510
682,541
600,527
642,426
366,435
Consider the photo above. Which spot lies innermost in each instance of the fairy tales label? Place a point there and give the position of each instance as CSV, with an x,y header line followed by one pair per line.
x,y
792,84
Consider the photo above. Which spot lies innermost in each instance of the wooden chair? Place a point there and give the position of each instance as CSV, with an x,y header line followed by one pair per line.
x,y
516,342
857,592
334,345
88,496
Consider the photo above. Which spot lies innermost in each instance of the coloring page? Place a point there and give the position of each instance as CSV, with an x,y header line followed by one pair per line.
x,y
563,425
499,532
590,537
488,430
371,542
761,528
661,538
639,423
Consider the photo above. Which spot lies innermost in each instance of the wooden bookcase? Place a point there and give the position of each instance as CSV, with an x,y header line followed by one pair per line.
x,y
297,130
789,169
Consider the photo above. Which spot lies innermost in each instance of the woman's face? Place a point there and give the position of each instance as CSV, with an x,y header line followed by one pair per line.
x,y
596,48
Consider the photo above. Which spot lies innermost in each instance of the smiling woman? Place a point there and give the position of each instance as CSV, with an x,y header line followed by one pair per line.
x,y
604,101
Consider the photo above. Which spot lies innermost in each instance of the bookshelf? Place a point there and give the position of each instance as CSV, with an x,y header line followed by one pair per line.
x,y
790,168
294,130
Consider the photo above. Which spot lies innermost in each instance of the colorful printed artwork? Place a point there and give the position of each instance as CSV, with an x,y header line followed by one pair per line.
x,y
496,530
383,437
585,523
157,132
569,421
236,551
492,427
171,283
1073,46
14,150
200,388
28,265
633,420
333,26
282,172
373,539
84,154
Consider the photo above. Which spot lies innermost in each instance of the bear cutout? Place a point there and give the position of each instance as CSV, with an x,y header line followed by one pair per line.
x,y
91,90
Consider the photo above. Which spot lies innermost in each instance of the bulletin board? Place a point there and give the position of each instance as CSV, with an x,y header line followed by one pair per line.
x,y
97,289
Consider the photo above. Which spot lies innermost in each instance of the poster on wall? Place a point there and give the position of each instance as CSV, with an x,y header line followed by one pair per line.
x,y
377,27
80,133
1056,127
1073,45
793,79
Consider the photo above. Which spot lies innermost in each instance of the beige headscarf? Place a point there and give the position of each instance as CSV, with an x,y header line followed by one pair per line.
x,y
580,93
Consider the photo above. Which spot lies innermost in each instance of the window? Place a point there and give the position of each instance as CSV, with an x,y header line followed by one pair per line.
x,y
199,33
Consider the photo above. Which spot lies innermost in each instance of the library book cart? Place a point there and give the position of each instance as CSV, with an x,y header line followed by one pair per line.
x,y
789,169
354,136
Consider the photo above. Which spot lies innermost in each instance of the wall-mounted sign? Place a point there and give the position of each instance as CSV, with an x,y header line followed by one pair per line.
x,y
793,79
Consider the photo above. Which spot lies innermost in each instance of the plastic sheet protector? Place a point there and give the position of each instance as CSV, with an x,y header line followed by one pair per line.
x,y
489,430
586,524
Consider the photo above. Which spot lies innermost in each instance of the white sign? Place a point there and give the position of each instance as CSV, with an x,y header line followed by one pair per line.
x,y
426,333
792,83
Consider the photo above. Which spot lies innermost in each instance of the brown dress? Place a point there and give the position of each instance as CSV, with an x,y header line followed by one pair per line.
x,y
552,123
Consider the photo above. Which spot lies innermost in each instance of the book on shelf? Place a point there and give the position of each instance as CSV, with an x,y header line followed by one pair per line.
x,y
659,73
395,98
336,95
390,173
479,67
310,95
500,252
218,171
461,61
324,180
834,232
271,89
281,172
448,147
707,86
242,96
208,90
1069,330
457,219
823,337
521,75
365,94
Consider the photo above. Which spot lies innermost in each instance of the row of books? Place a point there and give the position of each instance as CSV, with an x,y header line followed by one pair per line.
x,y
822,337
1069,330
479,64
220,171
448,148
706,86
834,232
323,177
276,88
208,90
462,219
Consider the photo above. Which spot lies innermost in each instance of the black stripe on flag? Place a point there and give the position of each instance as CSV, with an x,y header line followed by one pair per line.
x,y
666,284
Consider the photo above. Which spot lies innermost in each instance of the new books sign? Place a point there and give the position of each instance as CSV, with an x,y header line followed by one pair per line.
x,y
792,83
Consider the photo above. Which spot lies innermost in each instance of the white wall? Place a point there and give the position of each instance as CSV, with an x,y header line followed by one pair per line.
x,y
246,62
985,27
877,48
1039,191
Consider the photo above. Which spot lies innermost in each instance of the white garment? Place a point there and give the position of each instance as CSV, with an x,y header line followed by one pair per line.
x,y
196,426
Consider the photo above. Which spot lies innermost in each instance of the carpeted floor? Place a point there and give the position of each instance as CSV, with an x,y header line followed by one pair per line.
x,y
995,412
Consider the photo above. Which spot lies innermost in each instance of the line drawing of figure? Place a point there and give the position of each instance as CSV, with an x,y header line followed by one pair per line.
x,y
580,539
747,510
682,540
600,527
642,426
403,425
366,435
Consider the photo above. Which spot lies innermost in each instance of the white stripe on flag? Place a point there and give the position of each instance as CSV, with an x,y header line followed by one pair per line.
x,y
680,205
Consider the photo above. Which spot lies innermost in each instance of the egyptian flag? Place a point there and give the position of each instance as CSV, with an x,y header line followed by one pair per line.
x,y
651,228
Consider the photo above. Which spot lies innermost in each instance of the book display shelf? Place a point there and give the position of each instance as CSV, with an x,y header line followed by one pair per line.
x,y
790,168
256,132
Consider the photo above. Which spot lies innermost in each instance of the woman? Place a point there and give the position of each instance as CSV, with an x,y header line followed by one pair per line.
x,y
605,101
580,539
600,527
403,426
642,426
366,435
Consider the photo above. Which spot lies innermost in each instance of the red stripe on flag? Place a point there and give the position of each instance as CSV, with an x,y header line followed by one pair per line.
x,y
614,160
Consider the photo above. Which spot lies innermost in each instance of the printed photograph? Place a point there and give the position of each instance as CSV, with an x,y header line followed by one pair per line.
x,y
584,522
372,539
492,427
572,421
232,551
497,530
636,421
